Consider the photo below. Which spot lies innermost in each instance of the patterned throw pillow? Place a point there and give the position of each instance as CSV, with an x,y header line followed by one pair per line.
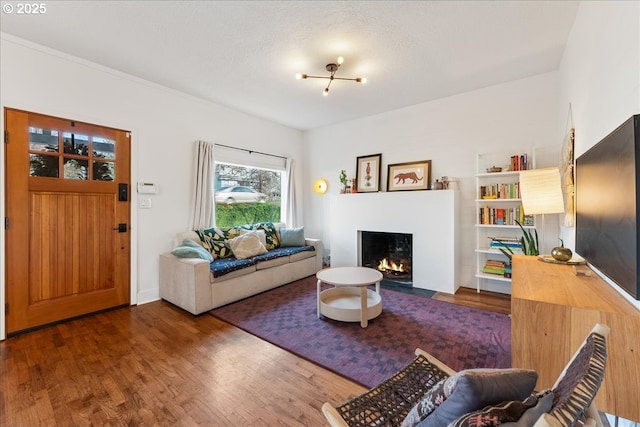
x,y
531,415
214,240
505,412
233,232
426,405
273,241
473,389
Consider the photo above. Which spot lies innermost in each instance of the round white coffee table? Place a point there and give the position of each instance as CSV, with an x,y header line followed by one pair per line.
x,y
350,300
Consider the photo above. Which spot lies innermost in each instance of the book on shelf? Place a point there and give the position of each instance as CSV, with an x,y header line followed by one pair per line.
x,y
501,268
499,191
506,240
501,216
507,271
491,270
519,162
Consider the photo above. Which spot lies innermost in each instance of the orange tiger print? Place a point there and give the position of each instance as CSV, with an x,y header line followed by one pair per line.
x,y
409,175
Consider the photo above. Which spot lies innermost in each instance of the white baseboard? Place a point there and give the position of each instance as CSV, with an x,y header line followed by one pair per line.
x,y
149,296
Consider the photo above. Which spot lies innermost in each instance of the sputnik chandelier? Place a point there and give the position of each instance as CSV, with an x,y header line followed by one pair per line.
x,y
331,68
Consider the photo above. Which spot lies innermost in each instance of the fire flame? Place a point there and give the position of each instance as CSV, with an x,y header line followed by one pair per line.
x,y
385,266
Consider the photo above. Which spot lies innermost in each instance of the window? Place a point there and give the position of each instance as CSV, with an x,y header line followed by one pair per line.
x,y
44,155
246,194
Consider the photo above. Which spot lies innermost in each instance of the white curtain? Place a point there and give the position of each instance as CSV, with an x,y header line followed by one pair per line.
x,y
291,214
203,209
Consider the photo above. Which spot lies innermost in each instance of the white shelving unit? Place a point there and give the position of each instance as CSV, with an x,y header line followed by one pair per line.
x,y
507,200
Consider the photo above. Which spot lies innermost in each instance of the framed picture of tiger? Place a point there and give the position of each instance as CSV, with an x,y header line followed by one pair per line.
x,y
409,176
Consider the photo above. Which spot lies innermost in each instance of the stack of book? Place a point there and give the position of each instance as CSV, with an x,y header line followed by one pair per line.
x,y
493,266
512,243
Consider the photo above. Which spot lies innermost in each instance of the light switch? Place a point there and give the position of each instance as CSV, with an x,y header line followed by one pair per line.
x,y
145,203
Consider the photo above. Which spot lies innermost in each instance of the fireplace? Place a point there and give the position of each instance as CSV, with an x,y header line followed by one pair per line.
x,y
389,253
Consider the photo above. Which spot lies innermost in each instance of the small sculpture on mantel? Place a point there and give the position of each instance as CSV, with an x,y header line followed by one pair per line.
x,y
441,184
445,182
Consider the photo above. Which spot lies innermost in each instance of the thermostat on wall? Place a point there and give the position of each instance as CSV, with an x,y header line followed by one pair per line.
x,y
147,188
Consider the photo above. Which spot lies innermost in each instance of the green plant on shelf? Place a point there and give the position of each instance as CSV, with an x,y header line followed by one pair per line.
x,y
528,241
343,178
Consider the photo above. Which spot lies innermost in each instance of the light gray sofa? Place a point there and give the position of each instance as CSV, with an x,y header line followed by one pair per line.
x,y
190,284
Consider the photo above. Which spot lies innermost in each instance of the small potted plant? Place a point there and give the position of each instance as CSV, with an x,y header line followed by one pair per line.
x,y
529,243
343,180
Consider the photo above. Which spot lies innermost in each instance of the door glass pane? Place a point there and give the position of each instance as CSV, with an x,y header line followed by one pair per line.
x,y
75,143
76,168
43,165
104,171
104,148
43,139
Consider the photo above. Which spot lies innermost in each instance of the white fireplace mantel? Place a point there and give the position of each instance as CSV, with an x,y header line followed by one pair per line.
x,y
431,216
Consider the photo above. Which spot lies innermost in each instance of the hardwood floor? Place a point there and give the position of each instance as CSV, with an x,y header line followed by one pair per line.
x,y
157,365
491,301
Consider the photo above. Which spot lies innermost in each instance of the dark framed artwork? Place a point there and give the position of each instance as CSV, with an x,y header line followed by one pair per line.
x,y
368,173
409,176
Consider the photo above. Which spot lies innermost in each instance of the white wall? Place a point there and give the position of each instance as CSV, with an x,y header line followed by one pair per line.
x,y
600,75
600,79
164,125
509,118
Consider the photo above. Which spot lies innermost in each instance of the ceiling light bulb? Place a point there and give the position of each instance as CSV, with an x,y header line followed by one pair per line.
x,y
326,91
298,76
361,79
340,60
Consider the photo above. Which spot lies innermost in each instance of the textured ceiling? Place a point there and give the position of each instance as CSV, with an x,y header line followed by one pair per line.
x,y
245,54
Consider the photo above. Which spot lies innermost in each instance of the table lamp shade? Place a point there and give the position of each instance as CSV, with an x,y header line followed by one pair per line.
x,y
541,191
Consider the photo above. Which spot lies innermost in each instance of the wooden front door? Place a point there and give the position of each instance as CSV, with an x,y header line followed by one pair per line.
x,y
67,230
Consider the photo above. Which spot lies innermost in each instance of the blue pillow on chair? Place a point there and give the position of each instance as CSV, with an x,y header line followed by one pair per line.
x,y
473,389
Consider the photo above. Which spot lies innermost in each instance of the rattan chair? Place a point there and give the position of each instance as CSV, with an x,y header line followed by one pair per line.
x,y
389,403
578,384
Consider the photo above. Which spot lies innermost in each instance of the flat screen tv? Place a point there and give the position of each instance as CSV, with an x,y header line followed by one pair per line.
x,y
607,211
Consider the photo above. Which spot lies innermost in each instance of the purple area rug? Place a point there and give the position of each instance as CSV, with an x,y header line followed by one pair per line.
x,y
461,337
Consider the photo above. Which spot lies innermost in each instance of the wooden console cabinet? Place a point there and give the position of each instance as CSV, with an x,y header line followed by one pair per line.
x,y
553,310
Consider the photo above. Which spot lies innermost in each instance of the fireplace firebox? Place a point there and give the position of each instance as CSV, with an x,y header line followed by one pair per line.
x,y
390,253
